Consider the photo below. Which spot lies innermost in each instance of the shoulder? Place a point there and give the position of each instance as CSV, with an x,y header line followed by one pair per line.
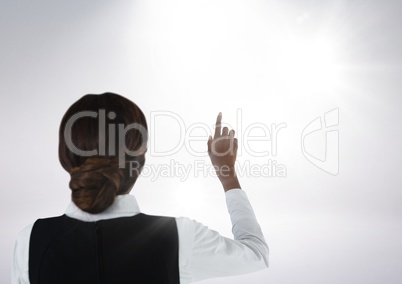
x,y
186,233
155,220
24,235
50,220
190,233
155,225
21,249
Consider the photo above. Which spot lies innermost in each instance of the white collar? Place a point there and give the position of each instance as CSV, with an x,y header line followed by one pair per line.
x,y
123,206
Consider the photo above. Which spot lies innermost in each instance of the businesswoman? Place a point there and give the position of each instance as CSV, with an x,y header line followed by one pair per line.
x,y
103,237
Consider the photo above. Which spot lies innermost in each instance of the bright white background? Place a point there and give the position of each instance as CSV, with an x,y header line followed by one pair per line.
x,y
277,61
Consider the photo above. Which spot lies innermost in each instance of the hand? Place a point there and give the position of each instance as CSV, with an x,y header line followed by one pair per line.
x,y
222,150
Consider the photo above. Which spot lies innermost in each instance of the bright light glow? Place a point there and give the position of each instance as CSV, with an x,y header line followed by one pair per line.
x,y
307,64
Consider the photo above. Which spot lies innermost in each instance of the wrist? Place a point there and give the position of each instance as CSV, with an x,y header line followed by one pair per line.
x,y
229,182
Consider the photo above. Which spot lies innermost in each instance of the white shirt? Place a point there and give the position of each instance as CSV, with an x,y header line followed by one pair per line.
x,y
203,253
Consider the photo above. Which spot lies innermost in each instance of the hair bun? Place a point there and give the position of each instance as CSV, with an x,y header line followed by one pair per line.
x,y
95,183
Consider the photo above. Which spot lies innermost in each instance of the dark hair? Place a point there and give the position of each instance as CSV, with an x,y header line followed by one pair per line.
x,y
97,179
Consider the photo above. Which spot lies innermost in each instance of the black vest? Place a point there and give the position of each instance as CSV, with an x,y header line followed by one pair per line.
x,y
139,249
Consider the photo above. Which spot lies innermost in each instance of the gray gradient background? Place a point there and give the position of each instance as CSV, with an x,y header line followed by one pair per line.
x,y
196,58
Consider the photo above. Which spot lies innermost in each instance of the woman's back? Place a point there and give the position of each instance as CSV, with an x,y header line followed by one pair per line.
x,y
118,250
104,238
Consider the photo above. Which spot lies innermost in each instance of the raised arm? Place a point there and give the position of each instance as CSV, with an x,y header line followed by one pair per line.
x,y
204,252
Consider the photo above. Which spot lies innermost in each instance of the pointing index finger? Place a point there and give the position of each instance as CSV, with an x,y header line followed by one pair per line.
x,y
218,125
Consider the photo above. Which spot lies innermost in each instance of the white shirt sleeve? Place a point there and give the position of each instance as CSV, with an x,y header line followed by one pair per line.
x,y
204,253
19,270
